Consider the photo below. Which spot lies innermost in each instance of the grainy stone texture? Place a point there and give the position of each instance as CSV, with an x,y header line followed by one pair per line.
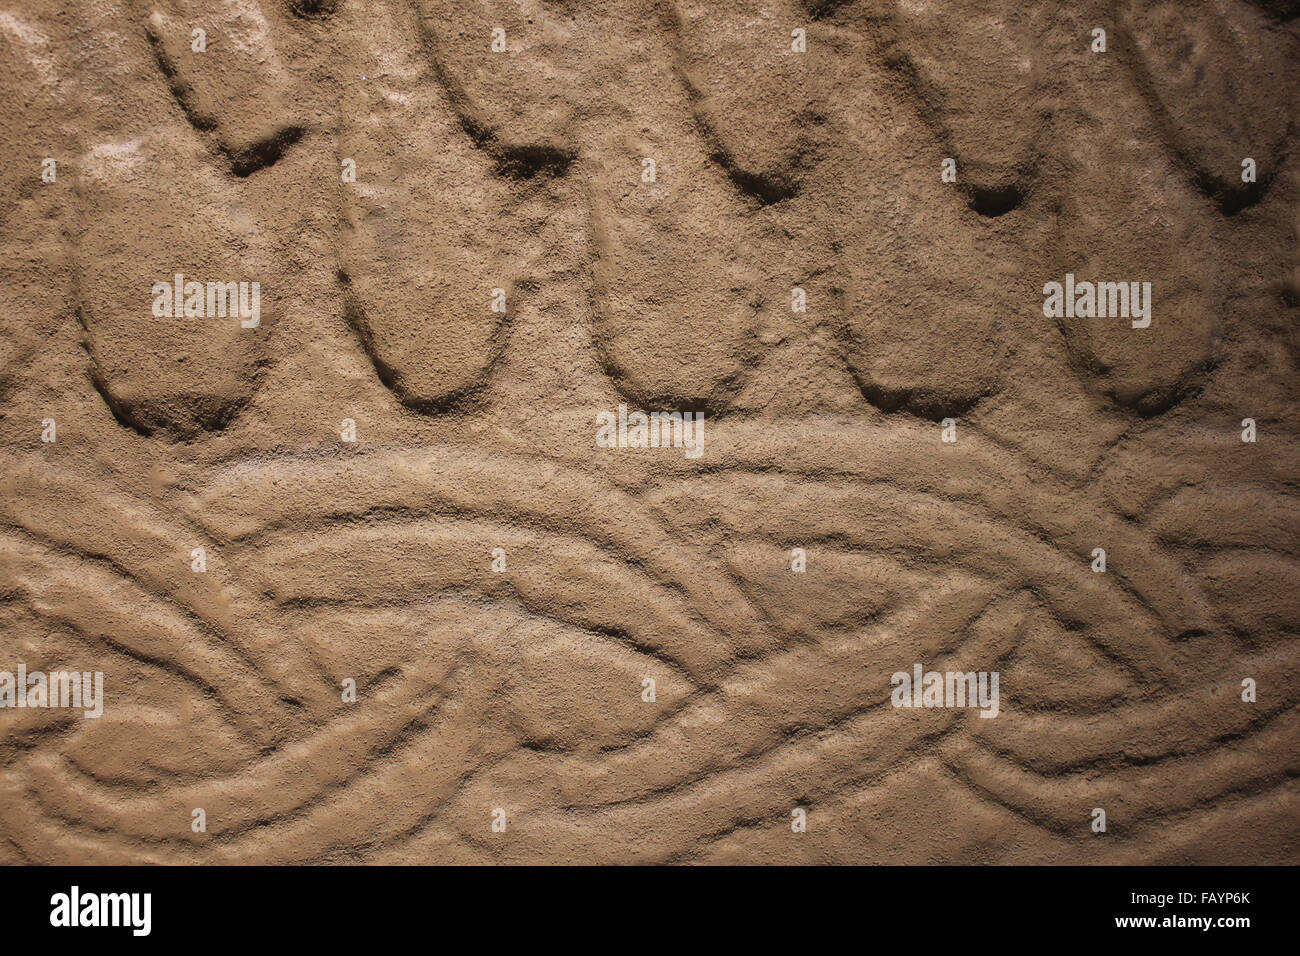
x,y
521,689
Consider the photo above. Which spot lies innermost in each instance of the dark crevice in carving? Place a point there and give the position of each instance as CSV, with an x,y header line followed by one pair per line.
x,y
1289,293
312,9
527,161
712,406
716,403
180,89
244,160
989,201
1229,195
177,418
1158,401
1282,9
995,201
465,398
765,188
713,403
117,409
520,161
1231,198
1091,368
823,9
249,159
923,403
